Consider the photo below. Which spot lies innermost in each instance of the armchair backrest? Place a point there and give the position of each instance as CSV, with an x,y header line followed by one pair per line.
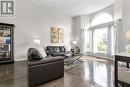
x,y
33,54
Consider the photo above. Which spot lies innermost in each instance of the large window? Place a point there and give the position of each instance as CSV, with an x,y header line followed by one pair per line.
x,y
101,18
102,36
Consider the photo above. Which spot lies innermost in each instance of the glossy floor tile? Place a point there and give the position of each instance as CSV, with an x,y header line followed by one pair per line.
x,y
92,72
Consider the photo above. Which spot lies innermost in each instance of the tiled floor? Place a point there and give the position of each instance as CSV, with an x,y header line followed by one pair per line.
x,y
91,73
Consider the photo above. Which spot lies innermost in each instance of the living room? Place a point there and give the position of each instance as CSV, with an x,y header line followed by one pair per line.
x,y
89,38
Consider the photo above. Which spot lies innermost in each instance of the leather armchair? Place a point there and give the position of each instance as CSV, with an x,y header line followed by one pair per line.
x,y
41,70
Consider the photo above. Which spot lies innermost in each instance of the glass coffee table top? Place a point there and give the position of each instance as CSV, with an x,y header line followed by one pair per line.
x,y
72,59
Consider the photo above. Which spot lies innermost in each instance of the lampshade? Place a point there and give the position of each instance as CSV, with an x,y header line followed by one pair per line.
x,y
128,35
74,42
37,41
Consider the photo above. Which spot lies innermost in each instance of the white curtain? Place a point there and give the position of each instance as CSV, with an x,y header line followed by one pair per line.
x,y
118,33
82,43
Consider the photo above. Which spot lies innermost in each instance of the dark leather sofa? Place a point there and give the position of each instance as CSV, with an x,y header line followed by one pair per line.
x,y
41,69
55,50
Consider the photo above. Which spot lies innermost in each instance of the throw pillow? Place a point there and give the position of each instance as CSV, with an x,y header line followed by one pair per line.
x,y
36,55
62,49
42,51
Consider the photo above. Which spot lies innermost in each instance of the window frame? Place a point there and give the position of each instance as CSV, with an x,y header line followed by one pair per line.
x,y
91,35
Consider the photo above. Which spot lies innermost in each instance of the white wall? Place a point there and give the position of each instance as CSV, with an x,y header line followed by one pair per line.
x,y
117,9
85,22
117,14
125,21
80,22
121,11
76,28
33,22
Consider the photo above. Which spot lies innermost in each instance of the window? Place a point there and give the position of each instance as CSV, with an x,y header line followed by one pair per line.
x,y
101,18
100,40
102,36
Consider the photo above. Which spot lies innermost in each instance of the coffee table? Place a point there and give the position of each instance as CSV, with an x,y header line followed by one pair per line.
x,y
71,60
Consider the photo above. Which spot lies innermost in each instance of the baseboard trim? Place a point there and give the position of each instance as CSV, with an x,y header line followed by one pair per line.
x,y
20,60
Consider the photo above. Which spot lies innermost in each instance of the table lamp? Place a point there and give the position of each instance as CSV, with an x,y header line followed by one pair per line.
x,y
74,42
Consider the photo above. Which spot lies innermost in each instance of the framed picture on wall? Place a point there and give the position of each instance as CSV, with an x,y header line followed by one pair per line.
x,y
54,35
61,35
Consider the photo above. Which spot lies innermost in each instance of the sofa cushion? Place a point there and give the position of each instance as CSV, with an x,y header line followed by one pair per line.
x,y
58,54
52,49
56,49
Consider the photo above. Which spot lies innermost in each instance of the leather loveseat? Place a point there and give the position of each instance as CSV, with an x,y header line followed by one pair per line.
x,y
55,50
41,69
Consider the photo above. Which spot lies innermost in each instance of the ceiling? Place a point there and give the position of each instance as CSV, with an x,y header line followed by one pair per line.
x,y
73,7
